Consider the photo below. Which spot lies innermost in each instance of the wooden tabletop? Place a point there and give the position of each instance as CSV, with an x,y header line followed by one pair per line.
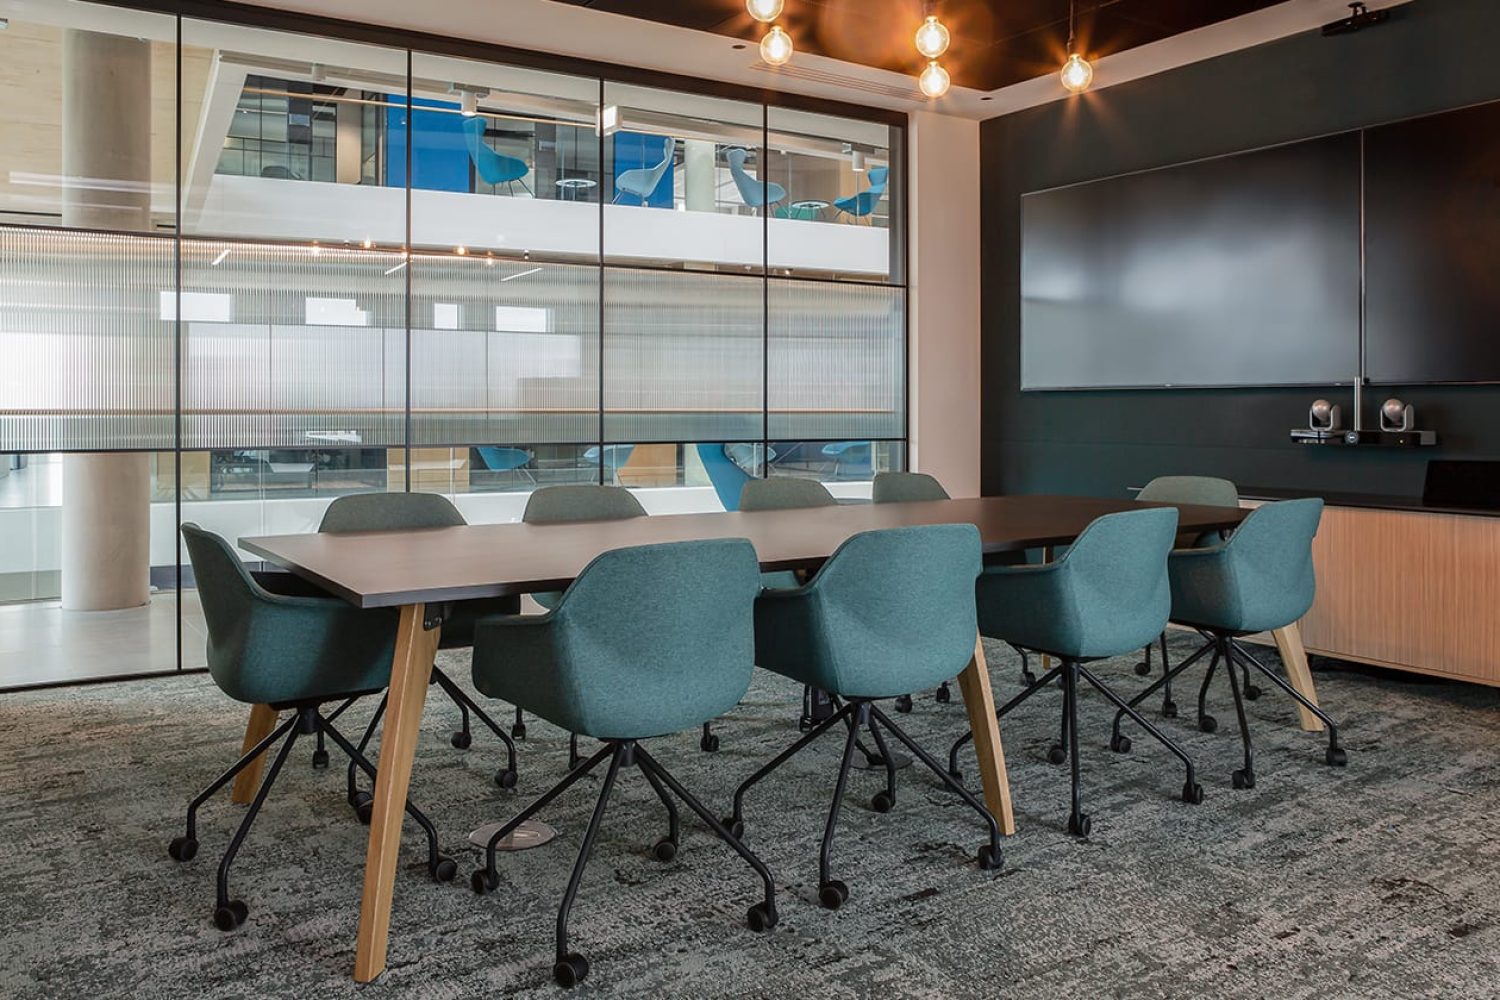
x,y
389,568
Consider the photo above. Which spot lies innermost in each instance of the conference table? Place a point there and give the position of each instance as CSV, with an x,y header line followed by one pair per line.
x,y
420,571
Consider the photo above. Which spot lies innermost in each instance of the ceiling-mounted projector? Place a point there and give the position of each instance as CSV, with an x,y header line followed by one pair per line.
x,y
1359,17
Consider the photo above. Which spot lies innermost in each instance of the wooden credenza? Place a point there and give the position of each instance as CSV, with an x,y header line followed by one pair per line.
x,y
1414,590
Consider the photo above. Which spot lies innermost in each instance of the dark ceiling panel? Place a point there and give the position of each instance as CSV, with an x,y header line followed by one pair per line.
x,y
995,42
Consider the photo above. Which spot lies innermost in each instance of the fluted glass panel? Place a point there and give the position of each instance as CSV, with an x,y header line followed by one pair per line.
x,y
504,352
837,361
683,356
290,347
86,341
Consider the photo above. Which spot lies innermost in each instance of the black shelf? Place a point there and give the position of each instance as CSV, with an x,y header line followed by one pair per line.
x,y
1364,439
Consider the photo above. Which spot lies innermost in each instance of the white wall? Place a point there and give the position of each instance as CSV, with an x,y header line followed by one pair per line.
x,y
944,281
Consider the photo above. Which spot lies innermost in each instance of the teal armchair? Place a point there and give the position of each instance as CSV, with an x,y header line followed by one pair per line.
x,y
888,612
408,512
1107,595
1258,580
647,641
292,652
1210,492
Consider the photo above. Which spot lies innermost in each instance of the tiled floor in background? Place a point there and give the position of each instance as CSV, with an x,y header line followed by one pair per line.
x,y
41,643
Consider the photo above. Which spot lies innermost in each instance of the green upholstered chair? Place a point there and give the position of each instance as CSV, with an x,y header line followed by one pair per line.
x,y
1107,595
888,612
911,487
1210,492
406,512
1258,580
647,641
785,493
291,652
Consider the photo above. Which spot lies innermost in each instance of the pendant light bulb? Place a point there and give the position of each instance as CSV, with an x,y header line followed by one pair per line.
x,y
765,11
934,80
776,47
932,38
1077,74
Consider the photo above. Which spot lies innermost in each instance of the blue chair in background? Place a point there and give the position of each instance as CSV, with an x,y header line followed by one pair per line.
x,y
752,191
605,663
1211,492
290,652
850,458
497,459
615,457
1106,596
726,474
642,182
1259,580
493,168
889,612
405,512
860,206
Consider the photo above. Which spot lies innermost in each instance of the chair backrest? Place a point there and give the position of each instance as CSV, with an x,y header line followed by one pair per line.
x,y
784,493
752,192
390,512
1269,562
898,487
226,591
895,609
878,178
640,667
581,502
498,459
1205,490
1117,579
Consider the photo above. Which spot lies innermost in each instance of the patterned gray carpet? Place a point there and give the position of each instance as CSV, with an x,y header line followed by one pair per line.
x,y
1381,880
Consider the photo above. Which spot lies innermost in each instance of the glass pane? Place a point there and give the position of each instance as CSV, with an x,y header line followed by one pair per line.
x,y
502,159
280,143
837,461
504,352
681,173
68,156
291,347
837,219
683,356
679,478
837,361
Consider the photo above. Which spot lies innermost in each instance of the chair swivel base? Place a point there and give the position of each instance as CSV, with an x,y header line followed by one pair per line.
x,y
571,967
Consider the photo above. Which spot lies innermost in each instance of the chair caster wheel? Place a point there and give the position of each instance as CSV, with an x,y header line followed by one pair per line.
x,y
1252,692
570,970
903,704
518,731
364,806
182,849
1056,754
443,869
833,894
882,802
1169,709
320,760
762,917
1192,793
1207,724
505,778
1243,778
461,740
1336,757
1143,669
664,849
709,743
943,695
231,915
989,858
736,827
484,882
1079,824
1120,743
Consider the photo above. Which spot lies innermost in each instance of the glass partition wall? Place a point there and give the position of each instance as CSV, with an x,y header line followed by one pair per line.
x,y
244,271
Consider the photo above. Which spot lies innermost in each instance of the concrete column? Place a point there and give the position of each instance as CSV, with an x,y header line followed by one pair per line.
x,y
106,165
699,183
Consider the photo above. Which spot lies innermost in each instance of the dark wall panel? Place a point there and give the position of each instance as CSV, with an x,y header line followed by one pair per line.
x,y
1297,88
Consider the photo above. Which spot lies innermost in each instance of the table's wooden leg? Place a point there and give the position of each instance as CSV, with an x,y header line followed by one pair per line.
x,y
1289,645
262,721
410,674
974,684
